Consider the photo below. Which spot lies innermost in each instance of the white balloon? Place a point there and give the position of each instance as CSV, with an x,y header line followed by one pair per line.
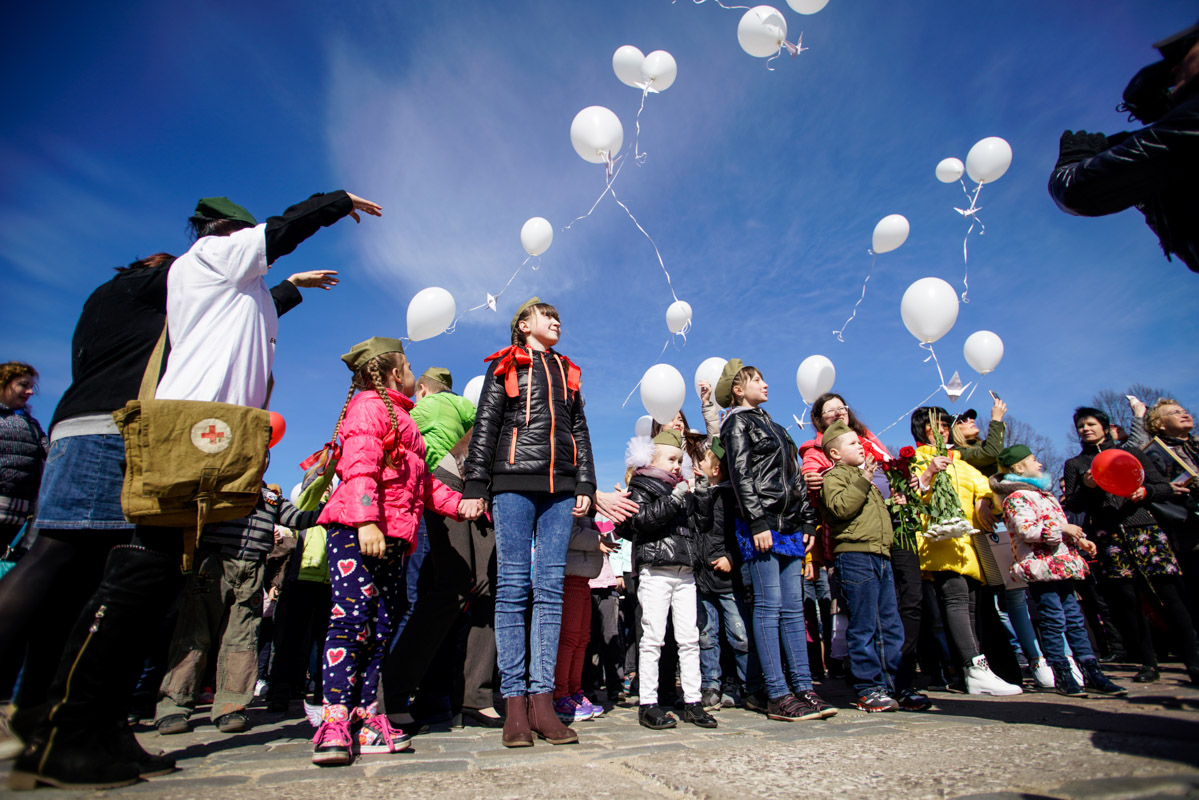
x,y
473,390
626,63
659,70
807,6
678,316
988,160
536,235
950,170
644,426
663,391
596,134
430,312
295,493
709,371
890,232
983,351
814,377
762,31
929,308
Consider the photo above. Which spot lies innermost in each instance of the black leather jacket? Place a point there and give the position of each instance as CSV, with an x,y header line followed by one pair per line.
x,y
1155,169
713,519
659,528
533,438
1107,512
764,470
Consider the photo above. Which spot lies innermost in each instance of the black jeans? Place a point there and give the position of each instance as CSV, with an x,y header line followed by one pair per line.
x,y
956,596
905,566
1138,637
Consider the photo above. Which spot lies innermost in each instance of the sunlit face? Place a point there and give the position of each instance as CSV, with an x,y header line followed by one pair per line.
x,y
17,392
710,466
402,380
668,458
968,428
1090,431
849,450
835,409
677,424
1029,467
754,391
541,332
1175,420
928,431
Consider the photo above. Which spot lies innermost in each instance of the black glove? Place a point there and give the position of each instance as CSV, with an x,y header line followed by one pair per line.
x,y
1079,146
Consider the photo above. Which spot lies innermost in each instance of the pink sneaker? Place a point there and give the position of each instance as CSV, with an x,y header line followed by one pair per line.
x,y
586,705
377,736
331,745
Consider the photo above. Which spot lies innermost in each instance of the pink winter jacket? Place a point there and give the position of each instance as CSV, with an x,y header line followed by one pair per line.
x,y
393,498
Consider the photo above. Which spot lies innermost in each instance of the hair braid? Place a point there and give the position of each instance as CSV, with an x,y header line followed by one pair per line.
x,y
375,373
342,415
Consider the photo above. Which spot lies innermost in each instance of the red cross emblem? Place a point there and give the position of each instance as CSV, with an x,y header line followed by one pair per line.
x,y
211,435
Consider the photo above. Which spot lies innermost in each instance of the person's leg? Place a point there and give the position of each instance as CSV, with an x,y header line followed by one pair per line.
x,y
1170,592
349,618
479,667
575,601
953,594
686,632
735,634
1075,624
860,586
583,623
905,567
653,595
709,641
388,573
768,600
1053,621
1099,618
1124,603
514,515
890,624
1021,622
611,649
237,662
550,541
791,622
201,611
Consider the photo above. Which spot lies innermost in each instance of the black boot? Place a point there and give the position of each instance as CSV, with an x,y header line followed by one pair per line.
x,y
1063,680
1097,681
125,747
73,748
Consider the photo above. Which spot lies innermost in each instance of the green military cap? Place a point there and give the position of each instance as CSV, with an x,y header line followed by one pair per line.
x,y
224,208
532,301
363,352
724,386
833,432
670,437
1014,455
441,375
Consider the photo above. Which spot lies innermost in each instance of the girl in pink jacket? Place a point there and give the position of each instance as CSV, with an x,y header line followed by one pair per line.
x,y
371,521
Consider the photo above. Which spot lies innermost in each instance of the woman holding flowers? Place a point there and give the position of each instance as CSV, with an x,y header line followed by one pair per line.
x,y
958,500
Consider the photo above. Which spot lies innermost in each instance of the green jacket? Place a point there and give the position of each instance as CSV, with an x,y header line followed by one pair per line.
x,y
856,512
443,419
984,456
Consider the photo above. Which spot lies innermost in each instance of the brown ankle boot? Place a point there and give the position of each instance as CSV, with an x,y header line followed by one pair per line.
x,y
545,722
516,723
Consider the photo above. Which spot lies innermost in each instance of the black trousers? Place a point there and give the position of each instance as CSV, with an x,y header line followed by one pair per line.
x,y
905,566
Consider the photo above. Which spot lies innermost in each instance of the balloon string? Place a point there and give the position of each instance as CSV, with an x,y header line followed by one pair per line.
x,y
722,5
976,384
873,256
658,359
651,241
638,156
793,49
932,356
496,296
970,213
908,413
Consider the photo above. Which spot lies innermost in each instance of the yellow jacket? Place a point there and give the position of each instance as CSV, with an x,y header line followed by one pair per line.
x,y
954,555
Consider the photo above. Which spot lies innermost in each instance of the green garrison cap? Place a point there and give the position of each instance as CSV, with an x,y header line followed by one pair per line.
x,y
224,208
363,352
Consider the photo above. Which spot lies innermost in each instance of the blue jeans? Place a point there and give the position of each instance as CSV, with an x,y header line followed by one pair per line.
x,y
778,622
875,633
81,485
532,532
1019,623
718,611
1061,622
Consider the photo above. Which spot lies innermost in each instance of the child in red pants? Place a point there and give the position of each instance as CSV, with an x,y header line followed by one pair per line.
x,y
589,544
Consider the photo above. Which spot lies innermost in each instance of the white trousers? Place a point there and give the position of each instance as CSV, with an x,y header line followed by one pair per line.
x,y
663,590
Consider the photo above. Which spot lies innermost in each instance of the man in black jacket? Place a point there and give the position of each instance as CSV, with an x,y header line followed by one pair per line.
x,y
1155,168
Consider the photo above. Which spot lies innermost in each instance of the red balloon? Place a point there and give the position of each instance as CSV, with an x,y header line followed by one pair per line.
x,y
1118,472
278,428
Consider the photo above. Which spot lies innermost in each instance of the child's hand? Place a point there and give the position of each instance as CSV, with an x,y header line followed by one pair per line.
x,y
764,541
809,571
471,509
813,480
371,540
869,466
582,505
722,564
1087,547
705,391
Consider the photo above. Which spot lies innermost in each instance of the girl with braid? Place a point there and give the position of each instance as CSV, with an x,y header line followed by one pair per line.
x,y
372,521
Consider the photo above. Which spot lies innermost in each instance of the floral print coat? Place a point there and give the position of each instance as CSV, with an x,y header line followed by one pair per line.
x,y
1035,520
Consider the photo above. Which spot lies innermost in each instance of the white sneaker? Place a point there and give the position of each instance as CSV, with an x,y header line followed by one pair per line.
x,y
260,688
980,680
1042,673
1077,672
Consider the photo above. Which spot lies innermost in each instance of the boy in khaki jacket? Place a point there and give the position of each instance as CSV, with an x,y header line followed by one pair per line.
x,y
862,533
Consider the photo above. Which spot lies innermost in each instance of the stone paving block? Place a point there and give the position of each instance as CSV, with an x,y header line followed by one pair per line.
x,y
644,750
1132,788
312,773
184,787
402,770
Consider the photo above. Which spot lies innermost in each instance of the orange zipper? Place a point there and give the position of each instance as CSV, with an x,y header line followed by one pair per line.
x,y
512,447
549,382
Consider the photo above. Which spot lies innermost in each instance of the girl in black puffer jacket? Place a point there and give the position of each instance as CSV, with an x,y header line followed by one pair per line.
x,y
665,552
531,455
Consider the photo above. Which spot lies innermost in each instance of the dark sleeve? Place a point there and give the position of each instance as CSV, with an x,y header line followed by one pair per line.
x,y
1080,498
285,232
292,517
286,296
1157,486
489,416
737,450
585,481
1140,166
654,518
722,536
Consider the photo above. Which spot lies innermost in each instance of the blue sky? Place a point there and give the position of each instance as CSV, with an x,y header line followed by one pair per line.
x,y
761,188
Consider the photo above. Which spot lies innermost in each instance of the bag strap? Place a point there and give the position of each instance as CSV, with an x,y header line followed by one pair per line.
x,y
154,368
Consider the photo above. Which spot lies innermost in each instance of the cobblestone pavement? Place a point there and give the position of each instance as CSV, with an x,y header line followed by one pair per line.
x,y
1032,745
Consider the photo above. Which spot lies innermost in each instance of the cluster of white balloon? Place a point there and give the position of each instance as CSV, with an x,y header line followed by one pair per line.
x,y
762,31
986,162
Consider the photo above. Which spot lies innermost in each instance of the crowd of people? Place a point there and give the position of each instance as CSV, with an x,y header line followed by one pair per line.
x,y
447,560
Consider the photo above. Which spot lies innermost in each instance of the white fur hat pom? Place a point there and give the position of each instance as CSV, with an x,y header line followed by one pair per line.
x,y
639,452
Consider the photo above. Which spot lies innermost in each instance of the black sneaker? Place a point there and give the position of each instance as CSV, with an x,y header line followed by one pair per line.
x,y
172,724
788,709
697,715
912,700
710,699
1146,675
876,701
813,701
756,701
655,718
235,722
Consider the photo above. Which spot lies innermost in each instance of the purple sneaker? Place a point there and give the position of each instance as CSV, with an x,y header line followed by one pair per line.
x,y
569,711
583,703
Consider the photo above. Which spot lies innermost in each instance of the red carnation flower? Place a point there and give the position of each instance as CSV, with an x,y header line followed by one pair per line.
x,y
907,452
